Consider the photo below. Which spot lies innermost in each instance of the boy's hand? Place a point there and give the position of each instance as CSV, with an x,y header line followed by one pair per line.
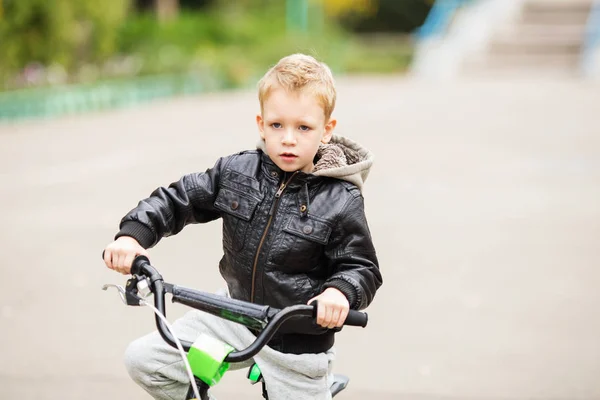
x,y
119,254
333,308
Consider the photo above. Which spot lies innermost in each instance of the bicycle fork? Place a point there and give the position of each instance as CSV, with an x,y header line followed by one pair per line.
x,y
202,389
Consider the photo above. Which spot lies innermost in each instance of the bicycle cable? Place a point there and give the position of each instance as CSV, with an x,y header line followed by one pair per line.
x,y
179,346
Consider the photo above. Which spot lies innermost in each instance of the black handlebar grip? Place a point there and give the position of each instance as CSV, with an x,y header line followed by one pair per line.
x,y
138,264
357,318
354,318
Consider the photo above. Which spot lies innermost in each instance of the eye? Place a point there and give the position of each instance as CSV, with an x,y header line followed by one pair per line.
x,y
304,128
276,125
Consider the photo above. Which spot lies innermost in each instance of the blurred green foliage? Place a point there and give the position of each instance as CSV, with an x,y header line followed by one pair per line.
x,y
60,31
240,43
389,16
50,42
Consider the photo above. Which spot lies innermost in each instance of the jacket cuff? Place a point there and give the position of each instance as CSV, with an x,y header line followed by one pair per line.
x,y
346,288
138,231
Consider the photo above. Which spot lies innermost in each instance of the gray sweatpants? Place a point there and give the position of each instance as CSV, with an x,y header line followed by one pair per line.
x,y
159,369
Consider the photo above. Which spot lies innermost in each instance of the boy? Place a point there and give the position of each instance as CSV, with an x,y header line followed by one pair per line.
x,y
294,231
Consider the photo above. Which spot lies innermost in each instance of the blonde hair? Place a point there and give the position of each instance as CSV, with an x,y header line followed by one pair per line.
x,y
300,72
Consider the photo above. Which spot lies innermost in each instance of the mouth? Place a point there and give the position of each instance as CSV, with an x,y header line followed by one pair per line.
x,y
288,157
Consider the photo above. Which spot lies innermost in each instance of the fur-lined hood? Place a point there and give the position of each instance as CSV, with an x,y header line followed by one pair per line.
x,y
341,158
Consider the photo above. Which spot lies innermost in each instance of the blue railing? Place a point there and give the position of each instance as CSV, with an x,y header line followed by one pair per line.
x,y
57,101
439,18
592,41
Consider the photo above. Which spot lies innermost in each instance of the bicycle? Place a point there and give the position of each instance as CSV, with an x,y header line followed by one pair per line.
x,y
208,359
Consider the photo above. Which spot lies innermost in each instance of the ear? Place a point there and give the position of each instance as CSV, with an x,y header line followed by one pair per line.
x,y
261,126
329,128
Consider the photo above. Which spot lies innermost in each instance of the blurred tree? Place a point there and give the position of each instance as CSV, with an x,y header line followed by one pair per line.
x,y
369,16
145,5
338,8
65,32
166,9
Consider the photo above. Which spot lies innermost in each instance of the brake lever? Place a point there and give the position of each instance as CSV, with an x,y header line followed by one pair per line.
x,y
119,289
136,286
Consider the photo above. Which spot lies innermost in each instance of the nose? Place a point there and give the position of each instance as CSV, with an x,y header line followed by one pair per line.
x,y
289,138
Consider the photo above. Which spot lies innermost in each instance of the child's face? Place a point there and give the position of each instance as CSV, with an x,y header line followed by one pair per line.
x,y
293,125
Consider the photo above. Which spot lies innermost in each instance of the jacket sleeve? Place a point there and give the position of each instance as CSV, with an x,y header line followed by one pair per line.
x,y
168,209
352,257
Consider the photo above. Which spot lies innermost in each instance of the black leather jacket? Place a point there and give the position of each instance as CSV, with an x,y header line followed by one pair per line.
x,y
286,236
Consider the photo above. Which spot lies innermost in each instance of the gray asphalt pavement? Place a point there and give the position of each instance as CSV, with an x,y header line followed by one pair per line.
x,y
484,205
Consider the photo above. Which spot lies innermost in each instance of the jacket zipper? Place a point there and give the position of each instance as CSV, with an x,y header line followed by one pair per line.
x,y
264,235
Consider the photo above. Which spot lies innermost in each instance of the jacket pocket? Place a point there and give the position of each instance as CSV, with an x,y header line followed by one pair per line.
x,y
303,243
238,210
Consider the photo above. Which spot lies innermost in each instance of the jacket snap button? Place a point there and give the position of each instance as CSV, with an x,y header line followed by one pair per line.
x,y
234,205
307,229
302,208
273,173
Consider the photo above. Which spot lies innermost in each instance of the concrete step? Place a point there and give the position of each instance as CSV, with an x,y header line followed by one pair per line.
x,y
565,64
555,13
560,6
543,31
520,73
556,20
536,44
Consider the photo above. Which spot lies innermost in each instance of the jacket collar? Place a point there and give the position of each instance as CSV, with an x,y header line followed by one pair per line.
x,y
341,158
274,173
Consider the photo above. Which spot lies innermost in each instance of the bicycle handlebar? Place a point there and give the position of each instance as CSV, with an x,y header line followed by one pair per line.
x,y
249,314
